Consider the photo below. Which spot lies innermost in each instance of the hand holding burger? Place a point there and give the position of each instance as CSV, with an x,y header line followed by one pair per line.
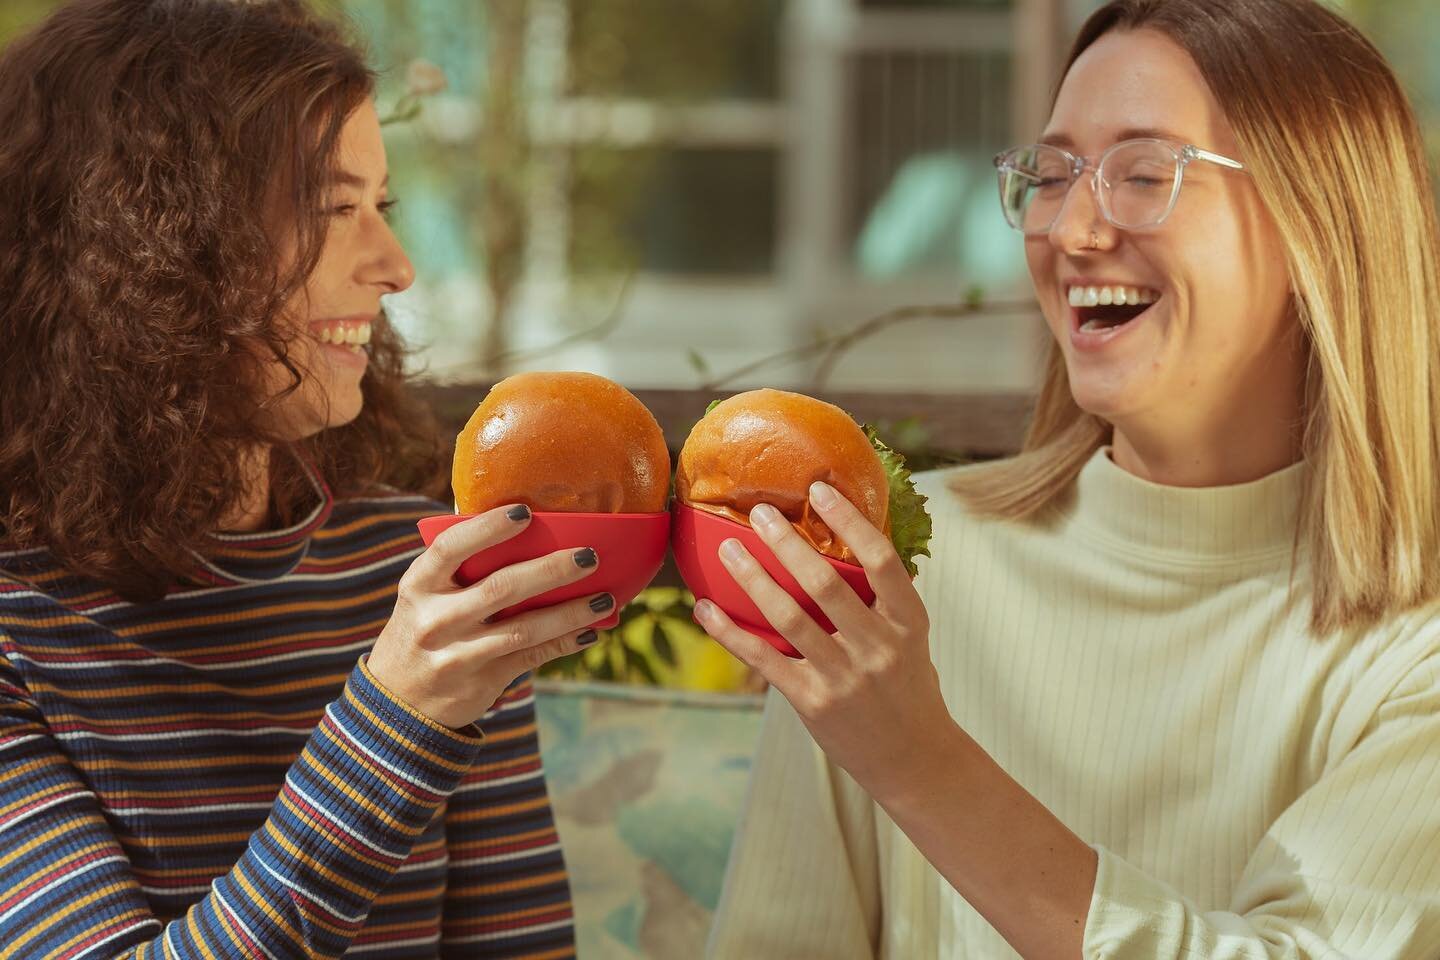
x,y
804,477
769,446
560,482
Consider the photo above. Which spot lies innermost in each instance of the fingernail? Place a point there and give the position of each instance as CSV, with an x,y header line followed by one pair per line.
x,y
703,610
519,514
732,551
823,495
602,603
585,559
587,638
764,517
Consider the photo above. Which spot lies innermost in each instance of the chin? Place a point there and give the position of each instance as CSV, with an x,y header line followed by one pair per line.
x,y
1108,401
344,411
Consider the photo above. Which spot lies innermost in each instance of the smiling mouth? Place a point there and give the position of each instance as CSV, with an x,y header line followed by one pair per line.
x,y
1098,309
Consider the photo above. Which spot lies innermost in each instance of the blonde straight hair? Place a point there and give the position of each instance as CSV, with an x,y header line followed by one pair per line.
x,y
1338,159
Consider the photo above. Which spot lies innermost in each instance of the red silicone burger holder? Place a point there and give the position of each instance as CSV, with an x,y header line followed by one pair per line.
x,y
696,537
631,547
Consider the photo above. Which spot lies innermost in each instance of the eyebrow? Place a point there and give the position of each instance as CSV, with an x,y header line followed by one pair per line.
x,y
1129,133
344,178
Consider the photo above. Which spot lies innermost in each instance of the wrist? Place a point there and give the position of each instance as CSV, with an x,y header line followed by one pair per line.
x,y
925,769
389,679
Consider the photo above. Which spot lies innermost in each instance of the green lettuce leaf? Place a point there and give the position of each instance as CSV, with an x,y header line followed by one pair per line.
x,y
910,526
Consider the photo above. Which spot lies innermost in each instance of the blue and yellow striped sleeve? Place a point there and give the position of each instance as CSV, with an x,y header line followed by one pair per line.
x,y
369,780
507,894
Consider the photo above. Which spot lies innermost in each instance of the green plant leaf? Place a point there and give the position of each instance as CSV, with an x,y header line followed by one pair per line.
x,y
910,525
642,666
679,610
629,613
660,643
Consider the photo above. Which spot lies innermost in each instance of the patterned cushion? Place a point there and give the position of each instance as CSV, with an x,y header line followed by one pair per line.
x,y
647,786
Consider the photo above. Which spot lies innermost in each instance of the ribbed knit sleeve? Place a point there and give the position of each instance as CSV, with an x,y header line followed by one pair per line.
x,y
371,777
1350,869
506,892
802,880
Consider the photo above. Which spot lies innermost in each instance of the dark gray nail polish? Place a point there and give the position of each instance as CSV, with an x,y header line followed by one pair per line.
x,y
585,559
602,603
587,638
519,514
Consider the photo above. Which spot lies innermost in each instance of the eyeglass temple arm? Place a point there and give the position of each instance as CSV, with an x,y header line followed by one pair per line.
x,y
1195,153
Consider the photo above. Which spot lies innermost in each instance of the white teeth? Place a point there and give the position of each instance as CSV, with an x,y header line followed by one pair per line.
x,y
1108,296
344,336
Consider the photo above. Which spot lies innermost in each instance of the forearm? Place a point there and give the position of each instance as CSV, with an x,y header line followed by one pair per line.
x,y
998,846
366,785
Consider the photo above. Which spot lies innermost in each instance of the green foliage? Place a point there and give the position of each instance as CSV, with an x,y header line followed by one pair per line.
x,y
641,647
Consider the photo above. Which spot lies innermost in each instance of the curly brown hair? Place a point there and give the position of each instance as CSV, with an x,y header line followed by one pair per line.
x,y
148,144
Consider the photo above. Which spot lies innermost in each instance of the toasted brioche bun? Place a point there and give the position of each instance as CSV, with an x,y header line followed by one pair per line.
x,y
563,443
769,446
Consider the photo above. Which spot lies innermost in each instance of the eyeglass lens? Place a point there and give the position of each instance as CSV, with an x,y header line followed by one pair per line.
x,y
1137,185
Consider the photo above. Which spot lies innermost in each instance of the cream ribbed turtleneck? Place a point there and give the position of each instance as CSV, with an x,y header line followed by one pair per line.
x,y
1252,789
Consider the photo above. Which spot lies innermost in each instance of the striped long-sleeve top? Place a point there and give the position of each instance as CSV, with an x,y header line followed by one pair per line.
x,y
217,774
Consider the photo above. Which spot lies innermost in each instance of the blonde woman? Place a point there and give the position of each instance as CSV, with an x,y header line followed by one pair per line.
x,y
1170,686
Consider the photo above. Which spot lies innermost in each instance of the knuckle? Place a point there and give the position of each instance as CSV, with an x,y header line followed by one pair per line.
x,y
826,588
495,590
878,555
426,623
790,620
533,658
447,543
446,661
512,639
408,584
822,705
882,663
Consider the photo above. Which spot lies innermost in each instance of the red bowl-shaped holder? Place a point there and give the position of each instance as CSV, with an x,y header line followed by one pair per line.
x,y
696,537
631,547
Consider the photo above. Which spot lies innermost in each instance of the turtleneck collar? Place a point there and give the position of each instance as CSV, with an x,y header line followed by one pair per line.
x,y
241,558
1206,525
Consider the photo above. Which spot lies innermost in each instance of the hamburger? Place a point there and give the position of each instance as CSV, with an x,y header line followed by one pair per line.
x,y
561,443
769,446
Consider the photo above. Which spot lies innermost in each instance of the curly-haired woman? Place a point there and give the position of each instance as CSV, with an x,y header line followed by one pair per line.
x,y
204,439
1170,685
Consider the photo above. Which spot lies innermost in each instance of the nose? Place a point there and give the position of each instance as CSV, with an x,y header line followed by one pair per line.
x,y
386,264
1080,220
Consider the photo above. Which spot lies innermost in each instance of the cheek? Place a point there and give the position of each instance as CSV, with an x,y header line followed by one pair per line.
x,y
1042,262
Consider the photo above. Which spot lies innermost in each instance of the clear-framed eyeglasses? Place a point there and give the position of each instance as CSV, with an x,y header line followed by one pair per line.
x,y
1136,183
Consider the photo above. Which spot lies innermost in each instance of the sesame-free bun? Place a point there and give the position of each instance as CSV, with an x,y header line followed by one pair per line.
x,y
769,446
561,443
